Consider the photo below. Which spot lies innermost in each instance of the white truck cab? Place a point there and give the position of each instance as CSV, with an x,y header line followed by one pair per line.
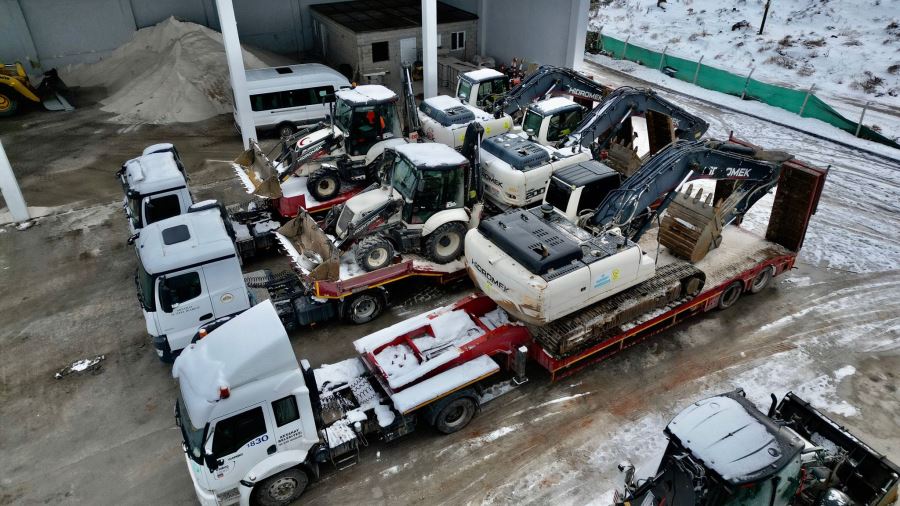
x,y
155,186
481,88
189,273
444,119
549,121
245,411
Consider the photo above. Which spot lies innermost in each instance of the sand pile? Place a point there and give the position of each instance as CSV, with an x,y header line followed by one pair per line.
x,y
169,73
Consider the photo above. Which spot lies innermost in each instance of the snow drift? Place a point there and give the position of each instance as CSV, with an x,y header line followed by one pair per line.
x,y
172,72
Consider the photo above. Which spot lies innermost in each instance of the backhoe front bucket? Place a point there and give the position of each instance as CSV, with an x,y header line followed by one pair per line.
x,y
692,226
257,173
311,251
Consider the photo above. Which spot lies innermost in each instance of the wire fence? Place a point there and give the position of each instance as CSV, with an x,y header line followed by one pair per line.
x,y
804,103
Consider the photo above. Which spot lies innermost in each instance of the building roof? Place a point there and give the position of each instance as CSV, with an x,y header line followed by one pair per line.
x,y
250,347
734,439
153,172
361,16
186,239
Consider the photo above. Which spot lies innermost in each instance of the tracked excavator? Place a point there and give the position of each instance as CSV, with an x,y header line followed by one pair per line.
x,y
517,169
541,266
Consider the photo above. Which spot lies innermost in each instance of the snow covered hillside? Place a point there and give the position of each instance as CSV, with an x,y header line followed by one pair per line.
x,y
850,49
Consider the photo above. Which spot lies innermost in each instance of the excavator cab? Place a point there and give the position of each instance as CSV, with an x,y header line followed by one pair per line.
x,y
580,188
549,121
481,88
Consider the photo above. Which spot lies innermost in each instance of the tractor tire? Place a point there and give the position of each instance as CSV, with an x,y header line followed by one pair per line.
x,y
285,130
455,415
374,252
280,489
445,244
323,184
8,104
730,295
762,279
363,307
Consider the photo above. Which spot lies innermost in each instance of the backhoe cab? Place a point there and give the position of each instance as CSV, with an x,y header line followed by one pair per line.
x,y
419,207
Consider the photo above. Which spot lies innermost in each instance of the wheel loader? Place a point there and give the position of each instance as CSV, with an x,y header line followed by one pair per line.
x,y
724,451
16,90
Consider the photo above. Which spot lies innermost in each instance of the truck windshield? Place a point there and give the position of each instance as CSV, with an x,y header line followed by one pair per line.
x,y
463,90
558,194
145,282
193,436
404,177
532,122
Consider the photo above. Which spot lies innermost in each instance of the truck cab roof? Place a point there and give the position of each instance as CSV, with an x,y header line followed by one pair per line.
x,y
192,238
253,347
154,172
431,155
366,94
731,437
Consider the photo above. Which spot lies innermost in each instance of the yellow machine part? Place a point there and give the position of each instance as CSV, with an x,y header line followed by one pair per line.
x,y
14,77
692,226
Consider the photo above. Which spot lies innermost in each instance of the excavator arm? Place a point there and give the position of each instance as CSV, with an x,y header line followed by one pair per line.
x,y
605,119
629,207
544,80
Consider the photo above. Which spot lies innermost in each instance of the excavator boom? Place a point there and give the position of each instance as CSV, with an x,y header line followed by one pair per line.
x,y
545,79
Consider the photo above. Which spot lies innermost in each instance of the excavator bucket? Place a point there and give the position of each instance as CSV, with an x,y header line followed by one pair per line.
x,y
51,92
692,225
622,159
257,173
310,250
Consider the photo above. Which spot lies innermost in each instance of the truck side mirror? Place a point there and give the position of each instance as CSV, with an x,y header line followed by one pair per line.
x,y
165,295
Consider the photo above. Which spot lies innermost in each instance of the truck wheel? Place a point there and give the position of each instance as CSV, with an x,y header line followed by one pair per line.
x,y
323,184
363,307
285,130
762,279
445,244
455,415
730,295
8,104
374,252
280,489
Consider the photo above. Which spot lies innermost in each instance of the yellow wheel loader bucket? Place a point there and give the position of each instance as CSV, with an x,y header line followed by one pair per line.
x,y
257,173
310,250
692,226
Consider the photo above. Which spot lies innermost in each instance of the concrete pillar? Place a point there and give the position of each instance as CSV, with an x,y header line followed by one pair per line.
x,y
10,189
578,22
236,70
482,27
429,47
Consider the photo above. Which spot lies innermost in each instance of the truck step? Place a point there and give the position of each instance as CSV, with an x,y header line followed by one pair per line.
x,y
346,461
573,333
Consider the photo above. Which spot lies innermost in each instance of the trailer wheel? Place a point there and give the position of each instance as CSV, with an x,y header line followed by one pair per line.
x,y
730,295
445,244
285,130
374,252
762,279
363,307
455,415
280,489
8,104
323,184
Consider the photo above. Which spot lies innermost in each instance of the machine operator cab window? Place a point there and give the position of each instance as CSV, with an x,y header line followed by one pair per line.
x,y
488,91
580,188
366,124
560,124
426,190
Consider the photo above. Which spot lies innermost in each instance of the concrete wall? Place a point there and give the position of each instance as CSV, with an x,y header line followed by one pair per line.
x,y
541,31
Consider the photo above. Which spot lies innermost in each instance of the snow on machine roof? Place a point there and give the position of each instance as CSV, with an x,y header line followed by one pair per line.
x,y
366,94
249,347
553,105
482,75
734,439
430,155
187,239
153,172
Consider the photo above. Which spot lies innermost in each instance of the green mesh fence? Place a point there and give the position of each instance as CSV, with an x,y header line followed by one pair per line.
x,y
723,81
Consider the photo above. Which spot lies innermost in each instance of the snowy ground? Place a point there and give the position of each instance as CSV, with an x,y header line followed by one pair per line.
x,y
849,49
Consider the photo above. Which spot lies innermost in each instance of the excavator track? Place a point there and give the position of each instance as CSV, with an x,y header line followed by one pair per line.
x,y
573,333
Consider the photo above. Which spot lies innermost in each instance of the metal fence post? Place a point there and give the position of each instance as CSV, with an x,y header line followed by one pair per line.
x,y
662,58
747,83
625,49
697,72
600,40
805,100
861,116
